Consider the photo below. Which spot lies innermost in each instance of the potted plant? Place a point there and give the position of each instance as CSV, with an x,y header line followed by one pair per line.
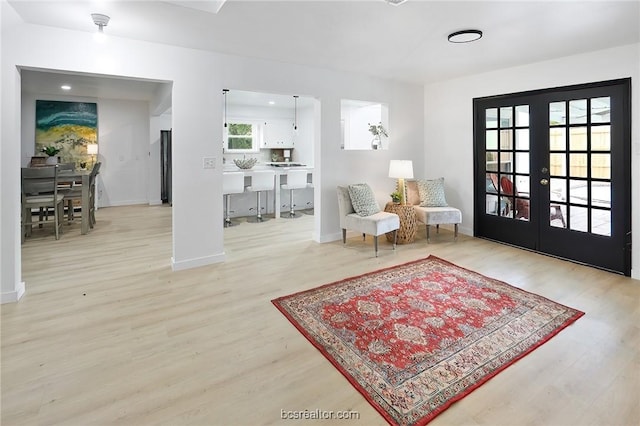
x,y
52,152
378,131
396,197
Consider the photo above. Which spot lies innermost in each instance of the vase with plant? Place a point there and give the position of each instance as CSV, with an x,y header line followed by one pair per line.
x,y
377,130
52,152
396,197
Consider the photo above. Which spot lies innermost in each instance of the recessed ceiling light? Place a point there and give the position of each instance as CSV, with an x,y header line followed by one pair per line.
x,y
272,102
465,36
65,87
395,2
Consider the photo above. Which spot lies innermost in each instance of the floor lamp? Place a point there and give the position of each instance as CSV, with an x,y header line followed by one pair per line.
x,y
401,170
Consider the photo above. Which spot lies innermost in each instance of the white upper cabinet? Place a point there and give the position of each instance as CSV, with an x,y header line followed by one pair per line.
x,y
278,133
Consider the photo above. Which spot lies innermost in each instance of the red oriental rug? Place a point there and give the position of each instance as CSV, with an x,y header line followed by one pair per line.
x,y
415,338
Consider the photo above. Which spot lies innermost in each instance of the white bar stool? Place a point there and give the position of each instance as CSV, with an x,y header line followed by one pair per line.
x,y
261,180
296,179
232,183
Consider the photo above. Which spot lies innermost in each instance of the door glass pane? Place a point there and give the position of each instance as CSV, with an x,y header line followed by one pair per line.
x,y
578,220
557,139
506,139
491,139
506,184
508,210
578,111
506,117
601,110
558,189
491,118
578,139
601,138
522,139
522,209
522,116
601,222
557,113
522,162
601,194
506,161
578,191
491,183
578,165
601,166
492,161
557,214
557,164
522,186
491,204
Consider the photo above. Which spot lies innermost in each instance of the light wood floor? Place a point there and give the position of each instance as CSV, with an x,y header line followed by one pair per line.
x,y
107,334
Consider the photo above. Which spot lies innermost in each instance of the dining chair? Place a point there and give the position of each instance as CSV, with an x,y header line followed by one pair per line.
x,y
75,193
40,191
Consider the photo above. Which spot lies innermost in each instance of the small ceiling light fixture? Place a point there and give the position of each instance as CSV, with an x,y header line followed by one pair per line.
x,y
65,87
465,36
224,93
395,2
100,20
295,112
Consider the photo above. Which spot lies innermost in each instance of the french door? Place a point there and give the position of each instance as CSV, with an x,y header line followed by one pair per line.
x,y
553,172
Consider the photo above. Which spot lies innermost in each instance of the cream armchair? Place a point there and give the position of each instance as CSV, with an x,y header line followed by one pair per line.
x,y
375,224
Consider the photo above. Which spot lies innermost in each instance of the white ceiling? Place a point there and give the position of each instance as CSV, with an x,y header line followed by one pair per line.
x,y
406,42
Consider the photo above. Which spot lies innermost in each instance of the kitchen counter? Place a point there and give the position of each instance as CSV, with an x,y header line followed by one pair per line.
x,y
266,166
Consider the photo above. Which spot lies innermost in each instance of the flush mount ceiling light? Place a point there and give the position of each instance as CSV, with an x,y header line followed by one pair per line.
x,y
100,20
395,2
465,36
65,87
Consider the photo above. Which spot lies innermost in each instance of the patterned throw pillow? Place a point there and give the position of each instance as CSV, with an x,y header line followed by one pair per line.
x,y
432,193
363,200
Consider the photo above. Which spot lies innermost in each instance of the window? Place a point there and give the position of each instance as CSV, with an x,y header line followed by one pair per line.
x,y
364,125
242,136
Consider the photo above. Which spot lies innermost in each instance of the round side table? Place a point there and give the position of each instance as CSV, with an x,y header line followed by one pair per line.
x,y
408,222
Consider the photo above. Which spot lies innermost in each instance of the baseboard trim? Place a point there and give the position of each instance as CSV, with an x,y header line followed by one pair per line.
x,y
327,238
196,263
13,296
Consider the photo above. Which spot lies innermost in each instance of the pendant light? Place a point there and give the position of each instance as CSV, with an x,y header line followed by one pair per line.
x,y
295,112
224,93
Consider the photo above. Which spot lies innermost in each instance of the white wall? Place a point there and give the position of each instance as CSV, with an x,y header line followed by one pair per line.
x,y
449,119
198,78
123,149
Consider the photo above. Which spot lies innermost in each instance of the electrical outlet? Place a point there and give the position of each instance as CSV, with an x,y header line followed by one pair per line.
x,y
208,162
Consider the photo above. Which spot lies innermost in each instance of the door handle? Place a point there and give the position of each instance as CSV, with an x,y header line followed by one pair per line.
x,y
544,182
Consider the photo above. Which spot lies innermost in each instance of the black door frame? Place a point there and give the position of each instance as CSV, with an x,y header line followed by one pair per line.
x,y
527,234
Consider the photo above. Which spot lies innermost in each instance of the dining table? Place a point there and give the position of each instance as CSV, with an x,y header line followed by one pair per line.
x,y
80,176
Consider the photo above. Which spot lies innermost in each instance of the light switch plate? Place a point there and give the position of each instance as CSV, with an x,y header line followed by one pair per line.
x,y
208,162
